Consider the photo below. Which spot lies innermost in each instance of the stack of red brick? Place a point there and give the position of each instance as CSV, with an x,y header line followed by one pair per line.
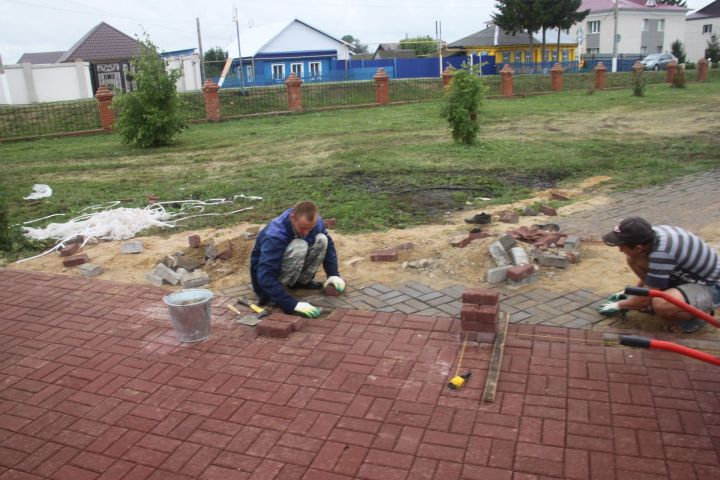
x,y
279,325
479,313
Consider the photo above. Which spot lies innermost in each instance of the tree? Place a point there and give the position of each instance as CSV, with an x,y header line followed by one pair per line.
x,y
515,16
678,50
462,102
713,48
566,15
152,114
679,3
422,45
355,44
214,61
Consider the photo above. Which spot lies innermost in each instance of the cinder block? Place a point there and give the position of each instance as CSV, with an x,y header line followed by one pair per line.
x,y
76,260
481,296
194,241
497,251
519,256
70,250
90,270
389,255
520,272
497,274
507,241
198,278
551,260
274,328
548,210
154,279
162,271
572,242
132,246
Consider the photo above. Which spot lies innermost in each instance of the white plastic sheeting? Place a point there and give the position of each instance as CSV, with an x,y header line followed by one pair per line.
x,y
40,190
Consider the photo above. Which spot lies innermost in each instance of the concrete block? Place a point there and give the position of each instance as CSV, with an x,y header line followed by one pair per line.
x,y
497,251
572,242
497,274
520,272
274,328
211,252
548,210
180,261
551,260
132,246
170,276
389,255
481,296
90,270
509,217
70,250
507,241
194,241
154,279
194,279
76,260
519,256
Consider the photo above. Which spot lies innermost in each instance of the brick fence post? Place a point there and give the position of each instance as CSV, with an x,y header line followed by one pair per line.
x,y
702,70
506,82
382,87
671,71
447,75
600,70
294,92
212,101
107,116
556,77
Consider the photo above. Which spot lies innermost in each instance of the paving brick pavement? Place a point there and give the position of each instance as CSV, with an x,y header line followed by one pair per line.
x,y
93,385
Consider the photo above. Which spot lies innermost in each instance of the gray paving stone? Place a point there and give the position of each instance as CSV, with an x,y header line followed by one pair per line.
x,y
371,292
405,308
420,287
388,295
417,304
430,296
380,287
430,312
435,302
519,316
454,291
451,308
411,292
360,305
398,299
578,323
374,302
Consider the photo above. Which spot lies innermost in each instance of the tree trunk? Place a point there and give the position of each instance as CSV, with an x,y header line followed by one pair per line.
x,y
542,49
559,58
532,54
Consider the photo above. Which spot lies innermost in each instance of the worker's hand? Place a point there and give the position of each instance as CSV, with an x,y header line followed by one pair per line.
x,y
609,308
617,296
307,310
336,282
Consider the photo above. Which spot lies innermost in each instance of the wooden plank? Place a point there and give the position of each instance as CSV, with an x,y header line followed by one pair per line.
x,y
493,374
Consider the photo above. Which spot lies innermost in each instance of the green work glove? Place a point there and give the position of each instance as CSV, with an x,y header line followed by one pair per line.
x,y
609,308
307,310
336,282
616,297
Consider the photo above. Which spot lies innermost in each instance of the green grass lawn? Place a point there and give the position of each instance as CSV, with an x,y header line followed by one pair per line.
x,y
354,162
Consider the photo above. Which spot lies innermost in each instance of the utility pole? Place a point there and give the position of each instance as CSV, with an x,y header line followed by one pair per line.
x,y
4,87
438,38
237,31
615,35
200,50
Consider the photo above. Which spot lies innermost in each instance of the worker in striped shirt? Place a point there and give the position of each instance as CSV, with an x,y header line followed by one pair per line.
x,y
670,259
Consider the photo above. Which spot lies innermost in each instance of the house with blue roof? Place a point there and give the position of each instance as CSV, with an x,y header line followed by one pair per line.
x,y
270,53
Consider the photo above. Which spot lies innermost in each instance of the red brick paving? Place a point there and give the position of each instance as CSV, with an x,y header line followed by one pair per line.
x,y
93,385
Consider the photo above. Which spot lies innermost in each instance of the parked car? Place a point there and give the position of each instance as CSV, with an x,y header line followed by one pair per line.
x,y
657,61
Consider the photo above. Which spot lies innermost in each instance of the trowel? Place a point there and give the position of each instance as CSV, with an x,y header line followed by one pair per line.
x,y
250,320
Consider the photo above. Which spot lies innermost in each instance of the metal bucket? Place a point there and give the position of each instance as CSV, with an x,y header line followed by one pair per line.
x,y
190,314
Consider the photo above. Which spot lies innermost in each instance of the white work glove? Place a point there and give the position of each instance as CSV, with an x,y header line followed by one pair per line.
x,y
609,308
616,297
336,282
308,310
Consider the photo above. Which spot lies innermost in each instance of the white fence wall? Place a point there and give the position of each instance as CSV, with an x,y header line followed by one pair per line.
x,y
27,83
190,68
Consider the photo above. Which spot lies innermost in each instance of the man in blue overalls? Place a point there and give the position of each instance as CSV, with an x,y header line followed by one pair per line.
x,y
287,253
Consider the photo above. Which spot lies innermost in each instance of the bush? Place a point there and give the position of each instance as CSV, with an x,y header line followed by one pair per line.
x,y
690,66
678,80
462,102
678,50
150,115
638,83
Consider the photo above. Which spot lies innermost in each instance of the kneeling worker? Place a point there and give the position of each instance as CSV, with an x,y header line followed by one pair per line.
x,y
670,259
287,253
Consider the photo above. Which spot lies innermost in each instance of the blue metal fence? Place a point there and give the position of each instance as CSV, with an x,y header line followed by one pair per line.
x,y
338,75
420,67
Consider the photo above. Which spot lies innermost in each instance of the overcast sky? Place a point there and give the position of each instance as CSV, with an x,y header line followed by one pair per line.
x,y
54,25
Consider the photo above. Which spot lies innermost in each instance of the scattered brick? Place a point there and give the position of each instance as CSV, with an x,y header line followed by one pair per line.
x,y
331,291
460,242
274,328
76,260
227,253
479,235
154,279
329,222
548,210
389,255
481,296
162,271
507,241
211,252
497,274
405,246
194,241
572,242
90,270
497,251
560,242
198,278
509,217
519,256
69,250
551,260
558,196
529,212
520,272
573,257
132,246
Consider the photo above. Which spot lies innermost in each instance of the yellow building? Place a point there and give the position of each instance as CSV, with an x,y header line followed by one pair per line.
x,y
515,49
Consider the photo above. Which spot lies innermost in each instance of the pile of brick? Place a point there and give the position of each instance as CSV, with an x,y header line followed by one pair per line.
x,y
71,258
185,270
479,314
279,325
513,264
462,241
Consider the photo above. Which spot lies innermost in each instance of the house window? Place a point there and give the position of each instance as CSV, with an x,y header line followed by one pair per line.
x,y
315,69
593,27
250,73
659,49
643,50
565,55
593,51
645,25
661,25
518,56
278,71
528,56
707,28
297,69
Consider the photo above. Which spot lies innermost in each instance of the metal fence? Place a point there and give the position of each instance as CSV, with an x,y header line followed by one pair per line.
x,y
236,102
193,105
416,89
48,118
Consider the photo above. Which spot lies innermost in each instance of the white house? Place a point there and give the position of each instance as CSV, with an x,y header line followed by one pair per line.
x,y
643,27
700,25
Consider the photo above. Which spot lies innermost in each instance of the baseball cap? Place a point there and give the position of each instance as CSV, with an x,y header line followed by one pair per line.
x,y
632,230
